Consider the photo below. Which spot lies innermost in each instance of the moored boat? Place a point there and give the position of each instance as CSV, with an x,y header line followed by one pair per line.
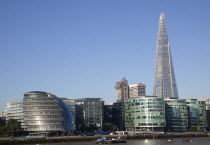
x,y
109,141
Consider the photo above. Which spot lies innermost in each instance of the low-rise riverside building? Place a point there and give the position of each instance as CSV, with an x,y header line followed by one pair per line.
x,y
197,117
71,106
14,110
119,115
176,115
3,118
108,113
89,111
207,101
45,113
146,113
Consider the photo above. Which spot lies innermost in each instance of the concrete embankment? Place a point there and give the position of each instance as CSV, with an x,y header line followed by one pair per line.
x,y
93,138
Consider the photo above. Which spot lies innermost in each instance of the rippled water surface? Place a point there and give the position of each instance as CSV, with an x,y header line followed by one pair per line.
x,y
195,141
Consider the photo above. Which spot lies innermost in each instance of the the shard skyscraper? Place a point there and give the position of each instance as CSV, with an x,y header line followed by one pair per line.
x,y
165,82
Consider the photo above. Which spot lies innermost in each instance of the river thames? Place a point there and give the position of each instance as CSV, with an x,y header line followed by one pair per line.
x,y
172,141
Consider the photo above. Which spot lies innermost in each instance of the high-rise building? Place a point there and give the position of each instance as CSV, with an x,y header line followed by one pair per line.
x,y
122,90
165,82
137,90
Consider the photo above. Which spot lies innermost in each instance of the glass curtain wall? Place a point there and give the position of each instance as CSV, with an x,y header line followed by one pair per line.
x,y
145,114
176,115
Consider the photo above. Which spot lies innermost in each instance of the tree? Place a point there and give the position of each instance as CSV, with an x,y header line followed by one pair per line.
x,y
11,128
92,127
1,122
81,127
109,127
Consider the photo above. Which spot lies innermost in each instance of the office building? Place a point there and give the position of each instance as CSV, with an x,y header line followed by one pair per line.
x,y
71,106
122,90
165,82
3,119
108,113
45,113
176,115
146,113
137,90
89,111
14,110
119,115
207,101
197,117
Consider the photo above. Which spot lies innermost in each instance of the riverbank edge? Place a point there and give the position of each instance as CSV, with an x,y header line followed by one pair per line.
x,y
93,138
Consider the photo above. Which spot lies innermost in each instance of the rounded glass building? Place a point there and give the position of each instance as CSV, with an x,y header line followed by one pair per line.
x,y
145,114
176,114
44,112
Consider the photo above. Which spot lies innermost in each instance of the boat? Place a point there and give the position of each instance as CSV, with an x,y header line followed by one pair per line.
x,y
103,140
184,140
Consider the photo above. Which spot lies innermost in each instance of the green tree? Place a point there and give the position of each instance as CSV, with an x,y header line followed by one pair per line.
x,y
1,122
109,127
92,127
81,127
11,128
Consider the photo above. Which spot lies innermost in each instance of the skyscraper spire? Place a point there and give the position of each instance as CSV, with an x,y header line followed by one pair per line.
x,y
165,82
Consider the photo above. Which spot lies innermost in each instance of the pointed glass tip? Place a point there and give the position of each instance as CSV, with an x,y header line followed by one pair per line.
x,y
162,16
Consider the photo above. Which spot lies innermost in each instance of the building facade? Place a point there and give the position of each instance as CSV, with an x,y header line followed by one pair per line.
x,y
14,110
145,114
119,115
71,106
207,101
44,112
165,82
176,115
122,90
89,111
137,90
197,117
3,119
108,113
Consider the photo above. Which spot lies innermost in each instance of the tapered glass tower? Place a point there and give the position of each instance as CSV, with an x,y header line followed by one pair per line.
x,y
165,82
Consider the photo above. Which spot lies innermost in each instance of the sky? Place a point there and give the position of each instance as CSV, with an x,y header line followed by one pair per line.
x,y
80,48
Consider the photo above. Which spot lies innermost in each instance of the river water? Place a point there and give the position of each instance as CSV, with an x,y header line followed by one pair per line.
x,y
195,141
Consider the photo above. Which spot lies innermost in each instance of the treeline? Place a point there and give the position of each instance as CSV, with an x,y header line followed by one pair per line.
x,y
93,127
11,128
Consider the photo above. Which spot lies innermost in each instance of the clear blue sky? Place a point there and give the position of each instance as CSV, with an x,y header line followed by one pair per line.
x,y
80,48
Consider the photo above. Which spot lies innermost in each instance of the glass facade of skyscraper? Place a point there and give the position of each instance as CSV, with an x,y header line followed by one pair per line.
x,y
145,114
165,82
